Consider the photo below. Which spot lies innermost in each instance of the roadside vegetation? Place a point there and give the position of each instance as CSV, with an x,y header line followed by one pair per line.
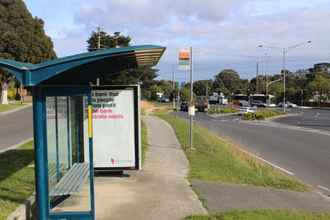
x,y
4,108
221,110
261,115
262,215
144,140
16,178
215,160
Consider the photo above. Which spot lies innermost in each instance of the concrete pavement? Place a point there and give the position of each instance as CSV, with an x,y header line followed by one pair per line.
x,y
15,127
159,192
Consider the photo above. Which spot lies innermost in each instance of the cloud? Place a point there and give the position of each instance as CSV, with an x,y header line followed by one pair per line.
x,y
224,33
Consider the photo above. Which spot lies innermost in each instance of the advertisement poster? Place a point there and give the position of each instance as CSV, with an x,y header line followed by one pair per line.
x,y
116,130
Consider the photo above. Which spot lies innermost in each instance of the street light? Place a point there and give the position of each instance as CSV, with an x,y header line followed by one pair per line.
x,y
285,50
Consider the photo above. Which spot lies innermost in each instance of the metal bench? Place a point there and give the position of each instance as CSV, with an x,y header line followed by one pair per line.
x,y
72,181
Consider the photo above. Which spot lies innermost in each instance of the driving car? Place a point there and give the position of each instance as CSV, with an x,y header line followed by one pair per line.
x,y
184,106
288,105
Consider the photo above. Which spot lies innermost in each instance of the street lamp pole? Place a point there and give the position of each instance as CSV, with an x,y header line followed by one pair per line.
x,y
284,78
285,51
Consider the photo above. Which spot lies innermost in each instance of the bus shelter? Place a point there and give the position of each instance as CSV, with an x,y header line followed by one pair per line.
x,y
61,90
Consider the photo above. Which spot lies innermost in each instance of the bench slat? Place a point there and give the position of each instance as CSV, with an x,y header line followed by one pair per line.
x,y
72,181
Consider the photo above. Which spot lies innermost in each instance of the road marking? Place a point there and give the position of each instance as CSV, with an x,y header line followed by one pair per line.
x,y
269,163
323,188
16,145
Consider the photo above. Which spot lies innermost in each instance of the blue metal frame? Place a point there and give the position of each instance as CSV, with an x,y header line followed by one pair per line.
x,y
41,158
58,168
69,132
35,74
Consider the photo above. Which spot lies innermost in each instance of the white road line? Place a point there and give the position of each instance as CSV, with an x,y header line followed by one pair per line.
x,y
16,145
269,163
323,188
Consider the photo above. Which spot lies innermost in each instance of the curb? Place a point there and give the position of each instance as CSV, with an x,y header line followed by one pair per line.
x,y
16,110
23,211
16,145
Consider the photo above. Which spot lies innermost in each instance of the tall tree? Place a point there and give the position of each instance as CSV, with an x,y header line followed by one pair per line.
x,y
203,87
105,40
320,86
142,75
22,38
228,82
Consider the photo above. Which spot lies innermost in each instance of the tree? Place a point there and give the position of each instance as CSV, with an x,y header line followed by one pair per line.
x,y
22,38
200,87
320,86
228,82
142,75
107,40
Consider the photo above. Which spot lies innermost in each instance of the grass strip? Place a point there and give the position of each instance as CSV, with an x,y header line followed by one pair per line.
x,y
144,140
262,215
216,160
16,178
221,110
4,108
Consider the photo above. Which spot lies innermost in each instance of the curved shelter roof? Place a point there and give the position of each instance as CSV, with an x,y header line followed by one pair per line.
x,y
83,68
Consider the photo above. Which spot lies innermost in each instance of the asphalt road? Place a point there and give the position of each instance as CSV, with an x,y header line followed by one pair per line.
x,y
309,118
15,127
304,153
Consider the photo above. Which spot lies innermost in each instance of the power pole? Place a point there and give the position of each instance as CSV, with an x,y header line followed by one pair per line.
x,y
284,79
98,47
257,78
207,90
98,38
173,89
191,101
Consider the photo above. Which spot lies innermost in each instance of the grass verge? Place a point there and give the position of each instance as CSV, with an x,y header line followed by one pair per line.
x,y
261,115
4,108
144,140
221,110
215,160
262,215
16,178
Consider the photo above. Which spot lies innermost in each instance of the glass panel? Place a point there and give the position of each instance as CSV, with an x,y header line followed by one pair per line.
x,y
68,174
53,174
63,133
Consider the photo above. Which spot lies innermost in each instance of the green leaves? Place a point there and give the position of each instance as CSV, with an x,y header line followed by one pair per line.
x,y
22,37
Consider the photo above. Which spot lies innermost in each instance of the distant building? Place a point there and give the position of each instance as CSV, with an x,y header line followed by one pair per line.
x,y
321,67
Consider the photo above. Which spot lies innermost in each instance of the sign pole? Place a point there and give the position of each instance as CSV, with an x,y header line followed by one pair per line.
x,y
173,90
191,102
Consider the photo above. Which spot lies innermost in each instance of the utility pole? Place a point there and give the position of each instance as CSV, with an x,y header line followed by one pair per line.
x,y
173,89
207,90
285,51
284,79
98,47
257,78
191,100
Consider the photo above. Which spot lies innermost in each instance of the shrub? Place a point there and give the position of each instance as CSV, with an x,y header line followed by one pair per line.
x,y
261,115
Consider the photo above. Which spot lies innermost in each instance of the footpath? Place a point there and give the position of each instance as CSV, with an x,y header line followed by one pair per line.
x,y
159,192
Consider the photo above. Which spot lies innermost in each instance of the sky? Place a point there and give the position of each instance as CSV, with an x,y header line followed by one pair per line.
x,y
222,33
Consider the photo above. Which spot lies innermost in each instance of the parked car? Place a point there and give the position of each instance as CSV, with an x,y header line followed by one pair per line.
x,y
288,105
243,110
184,106
164,99
202,103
